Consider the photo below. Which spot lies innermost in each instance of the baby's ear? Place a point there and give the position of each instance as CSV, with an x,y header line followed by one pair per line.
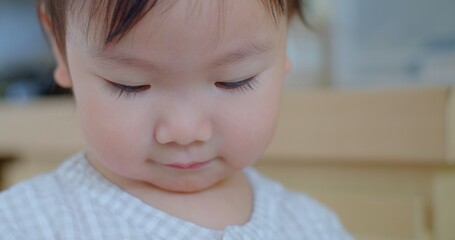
x,y
61,72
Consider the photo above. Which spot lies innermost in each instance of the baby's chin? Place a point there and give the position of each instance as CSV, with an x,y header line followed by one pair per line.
x,y
191,187
194,187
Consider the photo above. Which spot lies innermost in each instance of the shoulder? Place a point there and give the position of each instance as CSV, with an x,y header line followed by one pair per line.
x,y
21,206
307,209
310,217
30,195
8,233
36,203
298,212
38,191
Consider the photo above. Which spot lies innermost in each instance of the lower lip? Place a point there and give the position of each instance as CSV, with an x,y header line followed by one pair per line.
x,y
191,166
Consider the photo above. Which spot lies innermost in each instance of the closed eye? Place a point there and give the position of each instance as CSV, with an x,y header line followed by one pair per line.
x,y
125,90
244,85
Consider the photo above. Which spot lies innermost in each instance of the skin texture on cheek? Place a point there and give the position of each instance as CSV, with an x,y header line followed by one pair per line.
x,y
102,120
254,125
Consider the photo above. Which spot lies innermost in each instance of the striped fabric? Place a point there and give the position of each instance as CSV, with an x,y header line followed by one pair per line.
x,y
76,202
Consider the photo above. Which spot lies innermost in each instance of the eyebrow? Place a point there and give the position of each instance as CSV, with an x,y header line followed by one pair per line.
x,y
247,51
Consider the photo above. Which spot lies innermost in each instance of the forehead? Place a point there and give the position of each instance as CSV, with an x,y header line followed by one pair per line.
x,y
200,31
213,19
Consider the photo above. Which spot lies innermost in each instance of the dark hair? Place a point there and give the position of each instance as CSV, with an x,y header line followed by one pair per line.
x,y
120,16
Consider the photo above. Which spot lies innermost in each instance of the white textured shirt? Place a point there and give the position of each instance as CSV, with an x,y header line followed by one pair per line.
x,y
76,202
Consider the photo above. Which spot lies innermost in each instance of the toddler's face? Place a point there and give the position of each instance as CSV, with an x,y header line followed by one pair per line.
x,y
186,99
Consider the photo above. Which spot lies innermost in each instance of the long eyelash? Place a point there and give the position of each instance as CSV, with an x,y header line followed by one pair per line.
x,y
243,86
123,90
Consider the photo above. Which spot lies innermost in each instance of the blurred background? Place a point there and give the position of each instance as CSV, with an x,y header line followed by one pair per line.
x,y
367,124
26,62
367,43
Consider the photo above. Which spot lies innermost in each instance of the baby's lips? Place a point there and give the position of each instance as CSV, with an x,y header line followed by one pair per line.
x,y
190,165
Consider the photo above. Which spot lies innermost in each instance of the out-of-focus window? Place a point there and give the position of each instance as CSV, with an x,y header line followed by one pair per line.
x,y
25,58
371,43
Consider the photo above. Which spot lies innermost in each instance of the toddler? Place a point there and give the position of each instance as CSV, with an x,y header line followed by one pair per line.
x,y
176,100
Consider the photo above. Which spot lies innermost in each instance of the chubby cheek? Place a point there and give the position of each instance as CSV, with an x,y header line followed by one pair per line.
x,y
246,144
251,127
114,135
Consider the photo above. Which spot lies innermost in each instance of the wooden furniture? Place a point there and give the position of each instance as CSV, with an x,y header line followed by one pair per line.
x,y
382,159
39,135
5,160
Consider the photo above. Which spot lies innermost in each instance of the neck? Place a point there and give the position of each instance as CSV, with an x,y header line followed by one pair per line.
x,y
229,202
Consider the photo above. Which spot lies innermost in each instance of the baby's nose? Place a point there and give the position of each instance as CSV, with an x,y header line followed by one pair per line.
x,y
183,126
